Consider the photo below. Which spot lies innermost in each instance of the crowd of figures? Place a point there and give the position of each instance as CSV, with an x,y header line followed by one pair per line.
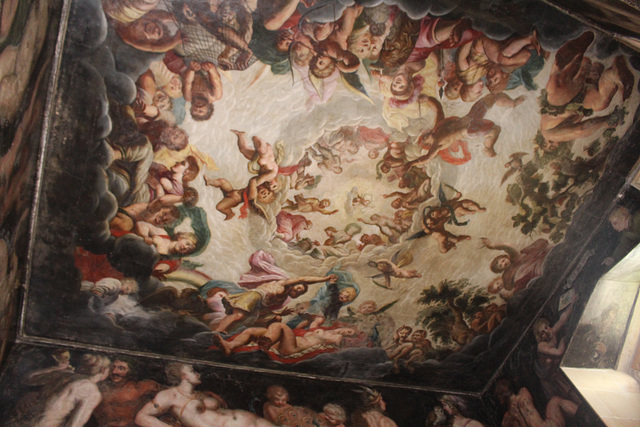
x,y
105,391
418,66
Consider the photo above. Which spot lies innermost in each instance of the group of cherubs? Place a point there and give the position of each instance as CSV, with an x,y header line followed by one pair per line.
x,y
153,165
159,165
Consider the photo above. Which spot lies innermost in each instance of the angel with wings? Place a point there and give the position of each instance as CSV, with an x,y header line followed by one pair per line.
x,y
393,268
436,217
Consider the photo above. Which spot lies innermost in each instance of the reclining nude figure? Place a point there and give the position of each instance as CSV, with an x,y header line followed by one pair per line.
x,y
283,339
193,408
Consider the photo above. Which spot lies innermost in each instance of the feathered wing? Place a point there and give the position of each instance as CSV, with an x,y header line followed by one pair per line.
x,y
353,83
386,307
405,259
380,284
507,175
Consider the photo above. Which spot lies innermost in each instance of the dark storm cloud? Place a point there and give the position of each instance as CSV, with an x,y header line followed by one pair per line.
x,y
87,27
93,81
120,86
498,19
132,256
329,11
128,59
417,9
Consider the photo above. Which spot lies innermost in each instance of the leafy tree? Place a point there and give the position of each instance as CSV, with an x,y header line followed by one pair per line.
x,y
446,306
549,188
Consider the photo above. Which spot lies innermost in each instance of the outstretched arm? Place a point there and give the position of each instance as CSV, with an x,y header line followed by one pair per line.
x,y
422,160
512,252
564,318
170,199
326,212
395,193
309,280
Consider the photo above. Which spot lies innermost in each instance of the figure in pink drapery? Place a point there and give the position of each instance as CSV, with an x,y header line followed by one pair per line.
x,y
263,270
290,225
427,42
528,265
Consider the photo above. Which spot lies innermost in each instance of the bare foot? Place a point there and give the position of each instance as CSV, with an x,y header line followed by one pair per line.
x,y
306,161
489,151
490,141
222,344
228,215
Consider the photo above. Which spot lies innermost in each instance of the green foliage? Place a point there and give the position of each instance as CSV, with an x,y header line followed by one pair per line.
x,y
438,317
549,188
593,148
514,193
445,290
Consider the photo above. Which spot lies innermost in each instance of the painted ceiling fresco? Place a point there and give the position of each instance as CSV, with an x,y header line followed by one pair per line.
x,y
266,400
358,190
